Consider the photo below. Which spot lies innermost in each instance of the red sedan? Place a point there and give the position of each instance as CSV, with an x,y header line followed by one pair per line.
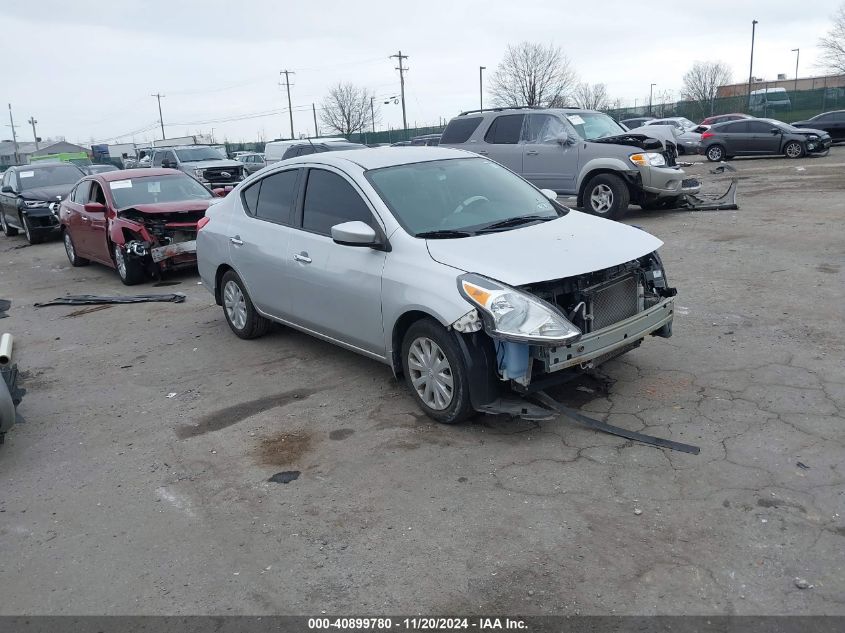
x,y
141,222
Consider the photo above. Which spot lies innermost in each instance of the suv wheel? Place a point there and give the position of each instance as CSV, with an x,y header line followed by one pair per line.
x,y
607,196
240,314
435,372
715,153
8,231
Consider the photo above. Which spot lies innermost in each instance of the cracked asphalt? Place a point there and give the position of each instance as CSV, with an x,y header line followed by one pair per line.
x,y
117,499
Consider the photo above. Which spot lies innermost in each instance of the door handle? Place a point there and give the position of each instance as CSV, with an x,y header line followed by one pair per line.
x,y
237,241
483,152
302,257
532,152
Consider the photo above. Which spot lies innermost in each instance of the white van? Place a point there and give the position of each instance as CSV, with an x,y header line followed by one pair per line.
x,y
274,150
769,100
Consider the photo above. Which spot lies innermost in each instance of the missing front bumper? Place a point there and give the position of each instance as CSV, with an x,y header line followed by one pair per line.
x,y
160,253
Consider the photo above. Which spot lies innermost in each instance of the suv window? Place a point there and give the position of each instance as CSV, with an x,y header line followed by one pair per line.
x,y
273,197
330,200
543,128
160,157
505,130
460,129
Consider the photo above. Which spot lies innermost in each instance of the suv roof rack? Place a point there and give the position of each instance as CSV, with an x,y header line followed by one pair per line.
x,y
503,108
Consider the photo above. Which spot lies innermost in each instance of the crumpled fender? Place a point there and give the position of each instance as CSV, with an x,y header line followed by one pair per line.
x,y
606,163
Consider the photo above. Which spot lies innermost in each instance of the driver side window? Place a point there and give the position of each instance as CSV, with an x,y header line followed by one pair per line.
x,y
80,194
543,128
330,200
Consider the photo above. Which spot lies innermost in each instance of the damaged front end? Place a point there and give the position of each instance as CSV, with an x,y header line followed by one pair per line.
x,y
545,333
165,241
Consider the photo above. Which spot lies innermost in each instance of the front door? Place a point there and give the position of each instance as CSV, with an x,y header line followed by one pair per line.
x,y
546,162
78,221
761,140
97,245
335,290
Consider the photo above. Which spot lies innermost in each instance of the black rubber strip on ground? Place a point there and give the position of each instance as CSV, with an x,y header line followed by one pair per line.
x,y
82,300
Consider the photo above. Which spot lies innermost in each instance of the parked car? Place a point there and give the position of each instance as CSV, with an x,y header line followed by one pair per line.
x,y
207,164
831,122
576,152
99,169
274,151
769,100
430,140
685,132
724,118
141,222
636,122
758,137
29,197
420,260
304,149
252,161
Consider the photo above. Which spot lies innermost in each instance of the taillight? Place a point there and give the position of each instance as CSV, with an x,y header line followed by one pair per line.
x,y
706,135
203,221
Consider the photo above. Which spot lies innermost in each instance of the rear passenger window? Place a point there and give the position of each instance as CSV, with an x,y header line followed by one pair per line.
x,y
276,196
737,127
505,130
758,127
460,129
330,200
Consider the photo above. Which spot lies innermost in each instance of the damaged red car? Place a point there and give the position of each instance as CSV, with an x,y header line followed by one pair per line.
x,y
141,222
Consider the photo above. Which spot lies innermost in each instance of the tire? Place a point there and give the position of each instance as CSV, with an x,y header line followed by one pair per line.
x,y
8,231
607,196
129,269
240,314
793,149
715,153
427,345
32,238
70,250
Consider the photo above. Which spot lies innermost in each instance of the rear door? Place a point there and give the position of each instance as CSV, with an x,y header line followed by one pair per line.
x,y
834,124
502,141
735,139
336,290
546,163
259,239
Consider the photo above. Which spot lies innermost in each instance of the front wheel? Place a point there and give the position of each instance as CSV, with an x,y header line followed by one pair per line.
x,y
8,231
70,250
436,373
240,313
793,149
130,270
607,196
31,236
715,153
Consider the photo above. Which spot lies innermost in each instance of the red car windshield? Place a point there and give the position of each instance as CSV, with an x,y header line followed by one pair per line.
x,y
154,189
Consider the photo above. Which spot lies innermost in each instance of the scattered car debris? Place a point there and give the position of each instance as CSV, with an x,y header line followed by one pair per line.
x,y
706,202
5,304
802,584
172,394
77,313
285,477
81,300
802,465
637,511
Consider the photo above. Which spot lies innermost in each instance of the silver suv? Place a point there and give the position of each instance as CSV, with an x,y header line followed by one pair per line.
x,y
576,152
443,265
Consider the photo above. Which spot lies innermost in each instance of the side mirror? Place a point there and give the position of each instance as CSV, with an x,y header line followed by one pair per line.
x,y
7,189
95,207
168,164
562,138
355,233
775,130
551,195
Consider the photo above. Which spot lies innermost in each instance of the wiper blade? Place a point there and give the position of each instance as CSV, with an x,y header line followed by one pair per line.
x,y
522,219
443,234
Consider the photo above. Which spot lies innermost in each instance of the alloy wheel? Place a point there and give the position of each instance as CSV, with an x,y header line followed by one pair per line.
x,y
431,373
120,260
71,254
235,305
714,153
793,150
601,198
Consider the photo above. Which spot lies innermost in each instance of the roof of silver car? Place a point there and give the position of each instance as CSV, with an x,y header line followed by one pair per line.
x,y
377,157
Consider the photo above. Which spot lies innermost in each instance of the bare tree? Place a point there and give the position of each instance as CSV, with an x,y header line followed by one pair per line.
x,y
532,75
702,81
347,109
591,97
832,45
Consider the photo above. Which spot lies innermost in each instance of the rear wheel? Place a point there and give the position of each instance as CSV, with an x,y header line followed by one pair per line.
x,y
31,236
130,270
715,153
793,149
607,196
241,315
8,231
70,250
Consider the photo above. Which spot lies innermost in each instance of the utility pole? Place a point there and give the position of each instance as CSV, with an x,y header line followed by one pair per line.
x,y
160,117
402,70
32,122
650,98
287,74
797,52
314,112
751,66
14,136
481,69
373,114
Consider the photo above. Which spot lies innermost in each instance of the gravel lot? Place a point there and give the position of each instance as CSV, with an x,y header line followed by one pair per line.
x,y
117,499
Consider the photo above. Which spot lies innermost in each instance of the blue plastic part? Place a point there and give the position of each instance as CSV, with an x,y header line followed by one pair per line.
x,y
513,359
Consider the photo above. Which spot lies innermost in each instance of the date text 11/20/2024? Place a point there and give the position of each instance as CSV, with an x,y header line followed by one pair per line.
x,y
416,624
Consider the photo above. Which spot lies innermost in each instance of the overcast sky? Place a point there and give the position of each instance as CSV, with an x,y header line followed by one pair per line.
x,y
86,69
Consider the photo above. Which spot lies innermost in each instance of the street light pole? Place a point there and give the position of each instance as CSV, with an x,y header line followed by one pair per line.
x,y
751,66
650,98
481,69
797,52
401,68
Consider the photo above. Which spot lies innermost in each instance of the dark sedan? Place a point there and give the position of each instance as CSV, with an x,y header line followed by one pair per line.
x,y
760,137
831,122
29,198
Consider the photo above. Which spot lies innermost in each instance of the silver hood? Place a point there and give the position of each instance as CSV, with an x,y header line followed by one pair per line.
x,y
205,164
575,244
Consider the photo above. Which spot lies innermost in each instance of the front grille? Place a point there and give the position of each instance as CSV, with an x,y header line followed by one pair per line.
x,y
615,301
215,174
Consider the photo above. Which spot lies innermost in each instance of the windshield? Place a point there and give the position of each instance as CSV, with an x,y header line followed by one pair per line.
x,y
195,154
592,125
686,123
464,194
153,189
49,176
